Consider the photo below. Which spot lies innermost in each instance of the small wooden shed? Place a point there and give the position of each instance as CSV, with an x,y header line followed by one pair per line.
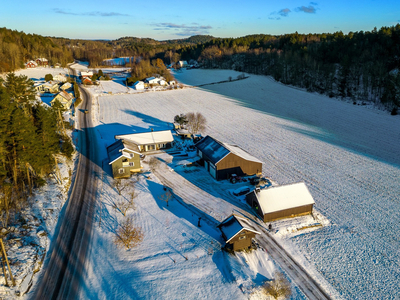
x,y
237,232
281,202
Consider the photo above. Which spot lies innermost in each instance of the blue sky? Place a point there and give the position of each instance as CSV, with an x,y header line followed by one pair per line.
x,y
173,19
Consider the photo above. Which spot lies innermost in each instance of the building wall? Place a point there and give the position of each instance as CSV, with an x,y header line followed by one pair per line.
x,y
242,241
118,165
233,164
289,213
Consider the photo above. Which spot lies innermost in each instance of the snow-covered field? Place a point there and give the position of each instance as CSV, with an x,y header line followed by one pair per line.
x,y
348,156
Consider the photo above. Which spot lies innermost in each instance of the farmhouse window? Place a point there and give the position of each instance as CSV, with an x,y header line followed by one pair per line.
x,y
131,164
121,171
242,237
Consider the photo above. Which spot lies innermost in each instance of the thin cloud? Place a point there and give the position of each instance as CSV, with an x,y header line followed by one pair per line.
x,y
314,3
309,10
91,14
182,29
284,12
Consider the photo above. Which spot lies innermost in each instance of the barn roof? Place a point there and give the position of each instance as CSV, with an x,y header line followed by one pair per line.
x,y
234,225
115,150
283,197
216,150
146,138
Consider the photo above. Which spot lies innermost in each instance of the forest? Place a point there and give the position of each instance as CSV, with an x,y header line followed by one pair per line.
x,y
362,66
31,136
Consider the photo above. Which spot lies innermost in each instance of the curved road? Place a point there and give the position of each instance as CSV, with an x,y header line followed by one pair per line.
x,y
65,268
295,271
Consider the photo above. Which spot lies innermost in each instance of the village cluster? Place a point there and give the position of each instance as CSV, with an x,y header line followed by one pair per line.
x,y
223,162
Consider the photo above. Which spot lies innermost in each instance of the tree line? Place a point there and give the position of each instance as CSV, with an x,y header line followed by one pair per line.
x,y
31,135
359,65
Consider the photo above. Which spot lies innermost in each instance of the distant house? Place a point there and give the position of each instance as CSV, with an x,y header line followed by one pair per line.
x,y
86,80
42,62
222,160
237,232
162,82
66,86
281,202
86,74
57,65
124,158
48,87
64,98
183,63
138,85
172,82
31,64
60,78
151,80
149,141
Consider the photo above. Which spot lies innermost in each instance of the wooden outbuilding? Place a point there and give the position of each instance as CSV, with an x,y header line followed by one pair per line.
x,y
281,202
222,160
124,158
31,64
237,232
149,141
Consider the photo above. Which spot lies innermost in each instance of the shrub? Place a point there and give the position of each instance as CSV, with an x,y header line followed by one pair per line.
x,y
278,287
127,235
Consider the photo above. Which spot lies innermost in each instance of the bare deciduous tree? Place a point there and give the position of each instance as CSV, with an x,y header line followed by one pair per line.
x,y
279,287
166,196
119,185
127,235
153,163
123,206
196,122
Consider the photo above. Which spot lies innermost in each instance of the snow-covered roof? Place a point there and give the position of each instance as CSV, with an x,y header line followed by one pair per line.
x,y
90,73
216,150
65,95
284,197
116,150
139,82
234,225
147,138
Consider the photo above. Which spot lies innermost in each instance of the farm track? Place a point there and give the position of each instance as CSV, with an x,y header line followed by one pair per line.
x,y
191,195
65,268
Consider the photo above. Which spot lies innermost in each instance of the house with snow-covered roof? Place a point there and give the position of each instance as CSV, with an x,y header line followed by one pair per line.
x,y
152,80
281,202
42,61
222,160
237,232
31,64
138,85
48,87
60,78
64,98
149,141
124,158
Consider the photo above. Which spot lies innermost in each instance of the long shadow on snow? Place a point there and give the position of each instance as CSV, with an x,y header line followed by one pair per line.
x,y
192,215
294,111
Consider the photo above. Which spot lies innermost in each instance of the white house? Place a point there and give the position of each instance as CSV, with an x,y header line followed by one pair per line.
x,y
138,85
87,74
162,82
60,78
148,141
172,82
152,80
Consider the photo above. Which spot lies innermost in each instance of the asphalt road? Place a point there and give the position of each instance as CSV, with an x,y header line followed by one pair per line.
x,y
65,269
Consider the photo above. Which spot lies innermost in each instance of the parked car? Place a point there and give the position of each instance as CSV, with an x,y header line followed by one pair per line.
x,y
241,191
258,180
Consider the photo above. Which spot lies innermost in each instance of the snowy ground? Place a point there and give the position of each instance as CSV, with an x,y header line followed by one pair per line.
x,y
27,244
347,155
